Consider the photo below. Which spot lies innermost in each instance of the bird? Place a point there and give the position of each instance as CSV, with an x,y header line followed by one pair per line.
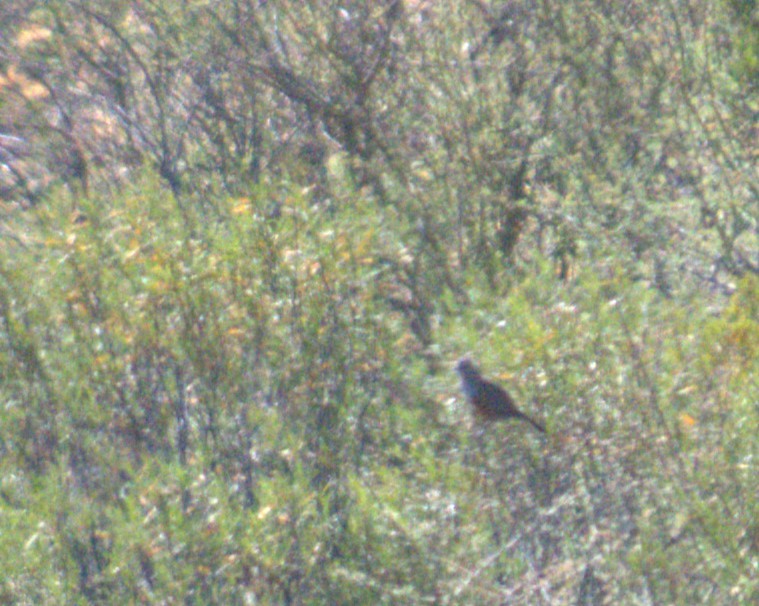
x,y
490,402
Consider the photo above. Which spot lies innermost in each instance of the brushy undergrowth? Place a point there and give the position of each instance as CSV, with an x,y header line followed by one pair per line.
x,y
228,407
243,245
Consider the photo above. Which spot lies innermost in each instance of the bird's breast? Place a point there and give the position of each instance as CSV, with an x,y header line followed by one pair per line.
x,y
469,388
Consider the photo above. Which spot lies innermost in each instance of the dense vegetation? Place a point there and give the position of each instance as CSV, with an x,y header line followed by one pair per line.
x,y
243,243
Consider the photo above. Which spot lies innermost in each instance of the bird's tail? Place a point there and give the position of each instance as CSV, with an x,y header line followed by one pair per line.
x,y
533,422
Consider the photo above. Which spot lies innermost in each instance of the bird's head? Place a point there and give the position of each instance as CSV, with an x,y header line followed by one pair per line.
x,y
465,366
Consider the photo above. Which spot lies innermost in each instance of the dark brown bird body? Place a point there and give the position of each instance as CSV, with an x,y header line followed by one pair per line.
x,y
489,401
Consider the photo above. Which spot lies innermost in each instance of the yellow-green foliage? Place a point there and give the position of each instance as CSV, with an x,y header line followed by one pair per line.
x,y
243,245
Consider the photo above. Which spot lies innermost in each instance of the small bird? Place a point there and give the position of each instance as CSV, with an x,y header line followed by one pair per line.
x,y
490,401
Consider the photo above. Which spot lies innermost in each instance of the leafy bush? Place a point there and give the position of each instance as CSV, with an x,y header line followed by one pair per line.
x,y
244,244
